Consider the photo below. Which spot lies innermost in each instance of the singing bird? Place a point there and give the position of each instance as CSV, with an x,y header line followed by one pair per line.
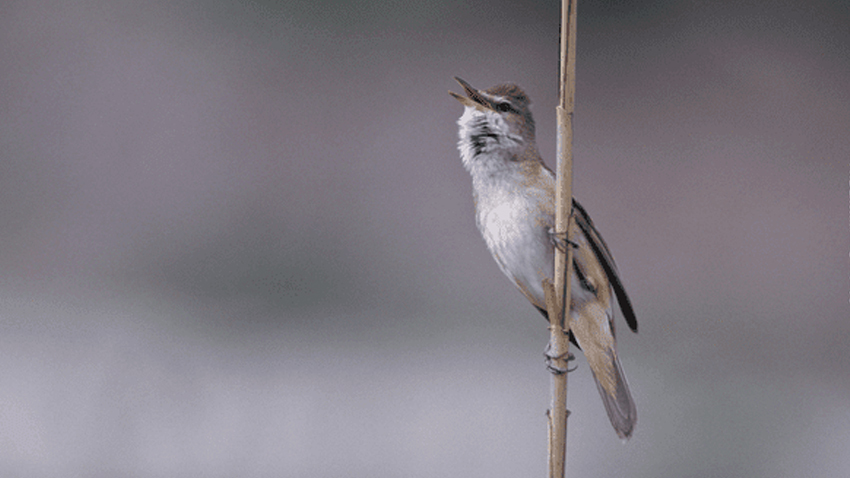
x,y
514,193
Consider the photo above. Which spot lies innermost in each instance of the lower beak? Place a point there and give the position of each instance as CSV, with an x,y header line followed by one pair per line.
x,y
473,98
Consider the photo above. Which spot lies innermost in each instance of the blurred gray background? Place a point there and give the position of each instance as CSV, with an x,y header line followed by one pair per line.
x,y
236,239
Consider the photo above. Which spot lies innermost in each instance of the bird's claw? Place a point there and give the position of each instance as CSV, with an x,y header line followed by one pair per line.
x,y
559,240
551,357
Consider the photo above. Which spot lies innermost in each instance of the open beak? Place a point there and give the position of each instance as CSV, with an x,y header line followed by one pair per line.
x,y
473,98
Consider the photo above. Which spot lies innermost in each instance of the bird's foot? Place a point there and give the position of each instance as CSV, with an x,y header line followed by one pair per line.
x,y
551,357
559,240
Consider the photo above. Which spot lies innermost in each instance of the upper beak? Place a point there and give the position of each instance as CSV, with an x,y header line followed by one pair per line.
x,y
473,98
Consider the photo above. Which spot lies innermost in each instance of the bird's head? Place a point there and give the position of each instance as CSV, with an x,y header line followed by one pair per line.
x,y
496,125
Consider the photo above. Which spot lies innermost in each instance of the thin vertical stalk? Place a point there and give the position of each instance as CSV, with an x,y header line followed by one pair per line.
x,y
558,296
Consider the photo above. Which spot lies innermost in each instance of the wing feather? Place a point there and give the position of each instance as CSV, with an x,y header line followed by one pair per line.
x,y
607,260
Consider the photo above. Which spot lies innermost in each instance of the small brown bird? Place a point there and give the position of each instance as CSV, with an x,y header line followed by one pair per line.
x,y
514,196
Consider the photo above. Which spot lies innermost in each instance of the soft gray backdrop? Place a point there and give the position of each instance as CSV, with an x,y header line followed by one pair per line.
x,y
236,239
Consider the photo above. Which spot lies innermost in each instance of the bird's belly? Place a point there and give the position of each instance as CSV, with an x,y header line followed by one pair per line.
x,y
518,240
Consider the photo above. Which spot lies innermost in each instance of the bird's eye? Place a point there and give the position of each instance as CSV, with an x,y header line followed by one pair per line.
x,y
503,107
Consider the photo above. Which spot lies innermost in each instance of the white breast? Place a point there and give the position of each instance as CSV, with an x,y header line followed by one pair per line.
x,y
515,231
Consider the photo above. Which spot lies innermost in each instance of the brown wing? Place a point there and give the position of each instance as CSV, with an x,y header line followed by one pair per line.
x,y
604,255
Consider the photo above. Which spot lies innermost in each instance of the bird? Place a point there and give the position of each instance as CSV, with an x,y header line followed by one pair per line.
x,y
514,197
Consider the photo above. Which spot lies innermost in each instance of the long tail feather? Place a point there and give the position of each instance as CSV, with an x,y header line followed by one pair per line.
x,y
620,406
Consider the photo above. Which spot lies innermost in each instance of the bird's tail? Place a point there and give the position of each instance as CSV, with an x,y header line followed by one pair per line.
x,y
619,404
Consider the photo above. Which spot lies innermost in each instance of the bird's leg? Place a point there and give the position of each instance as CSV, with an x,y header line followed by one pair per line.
x,y
551,357
559,240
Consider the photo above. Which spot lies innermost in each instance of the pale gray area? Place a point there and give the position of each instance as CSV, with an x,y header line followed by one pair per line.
x,y
236,239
